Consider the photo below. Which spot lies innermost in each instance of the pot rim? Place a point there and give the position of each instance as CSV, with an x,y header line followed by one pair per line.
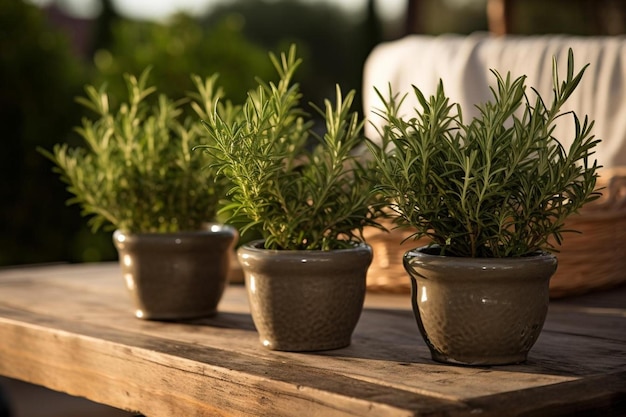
x,y
256,247
417,257
207,229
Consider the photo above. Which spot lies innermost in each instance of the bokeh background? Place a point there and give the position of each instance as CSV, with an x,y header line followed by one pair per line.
x,y
49,50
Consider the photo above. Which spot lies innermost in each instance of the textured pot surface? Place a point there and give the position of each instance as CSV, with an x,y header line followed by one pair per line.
x,y
305,300
172,276
479,311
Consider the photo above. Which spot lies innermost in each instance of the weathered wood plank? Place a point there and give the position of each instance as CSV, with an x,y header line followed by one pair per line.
x,y
600,396
70,328
163,377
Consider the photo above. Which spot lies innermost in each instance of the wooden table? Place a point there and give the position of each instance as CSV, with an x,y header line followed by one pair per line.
x,y
70,328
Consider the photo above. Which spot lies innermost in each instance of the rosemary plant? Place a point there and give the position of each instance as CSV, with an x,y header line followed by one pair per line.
x,y
498,186
299,199
137,172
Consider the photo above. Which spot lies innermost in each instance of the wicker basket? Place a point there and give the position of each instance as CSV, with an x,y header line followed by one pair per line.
x,y
590,260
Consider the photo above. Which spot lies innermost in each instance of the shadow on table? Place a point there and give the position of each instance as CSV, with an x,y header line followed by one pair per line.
x,y
224,320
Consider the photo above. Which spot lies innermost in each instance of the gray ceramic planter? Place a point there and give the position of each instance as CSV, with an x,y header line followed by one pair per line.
x,y
477,311
305,300
173,276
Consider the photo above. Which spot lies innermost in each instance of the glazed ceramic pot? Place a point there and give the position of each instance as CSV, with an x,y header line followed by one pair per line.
x,y
174,276
479,311
305,300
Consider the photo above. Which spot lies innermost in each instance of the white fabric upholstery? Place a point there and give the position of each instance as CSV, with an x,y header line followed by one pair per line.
x,y
463,63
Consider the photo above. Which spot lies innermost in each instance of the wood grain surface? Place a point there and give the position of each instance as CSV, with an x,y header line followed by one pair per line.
x,y
71,328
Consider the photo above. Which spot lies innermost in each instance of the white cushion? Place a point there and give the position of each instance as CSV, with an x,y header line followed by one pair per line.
x,y
463,63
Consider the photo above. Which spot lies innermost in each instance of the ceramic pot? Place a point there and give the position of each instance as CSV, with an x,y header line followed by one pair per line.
x,y
174,276
479,311
305,300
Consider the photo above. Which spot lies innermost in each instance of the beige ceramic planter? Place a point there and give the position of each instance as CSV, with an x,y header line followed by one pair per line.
x,y
477,311
305,300
173,276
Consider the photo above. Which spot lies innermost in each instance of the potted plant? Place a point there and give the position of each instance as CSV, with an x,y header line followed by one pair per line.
x,y
138,175
490,193
306,277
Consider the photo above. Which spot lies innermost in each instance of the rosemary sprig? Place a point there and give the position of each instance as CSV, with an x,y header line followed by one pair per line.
x,y
298,199
137,171
500,185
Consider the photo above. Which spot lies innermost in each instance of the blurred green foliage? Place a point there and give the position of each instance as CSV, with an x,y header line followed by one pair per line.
x,y
462,17
40,76
332,44
177,50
